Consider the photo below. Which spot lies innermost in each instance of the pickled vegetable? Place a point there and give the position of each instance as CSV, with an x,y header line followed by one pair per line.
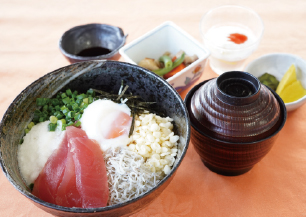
x,y
269,80
287,79
290,88
293,92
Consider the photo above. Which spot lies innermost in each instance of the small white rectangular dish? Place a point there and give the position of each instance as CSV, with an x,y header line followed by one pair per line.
x,y
168,37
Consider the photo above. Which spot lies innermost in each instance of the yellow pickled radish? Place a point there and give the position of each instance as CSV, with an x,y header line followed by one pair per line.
x,y
288,78
292,92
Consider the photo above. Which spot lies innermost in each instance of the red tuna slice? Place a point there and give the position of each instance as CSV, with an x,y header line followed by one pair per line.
x,y
47,183
90,172
67,194
49,179
73,132
57,183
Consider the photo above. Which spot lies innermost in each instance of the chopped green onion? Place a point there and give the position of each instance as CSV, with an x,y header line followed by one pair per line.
x,y
50,108
51,126
90,92
79,101
83,105
63,127
37,112
68,92
63,121
77,116
90,99
81,96
75,106
45,108
53,119
70,114
64,109
20,141
70,123
41,101
85,100
26,130
55,102
77,124
63,95
66,100
30,125
58,114
44,113
36,117
61,124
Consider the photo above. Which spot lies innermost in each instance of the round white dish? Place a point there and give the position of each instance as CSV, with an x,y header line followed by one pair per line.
x,y
277,64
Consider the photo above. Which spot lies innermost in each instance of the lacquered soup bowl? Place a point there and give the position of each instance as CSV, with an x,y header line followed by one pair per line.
x,y
233,133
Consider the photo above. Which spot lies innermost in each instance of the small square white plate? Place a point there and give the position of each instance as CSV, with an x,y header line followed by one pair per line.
x,y
168,37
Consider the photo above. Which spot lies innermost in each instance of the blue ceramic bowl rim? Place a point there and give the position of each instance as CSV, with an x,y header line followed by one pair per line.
x,y
107,208
106,56
280,101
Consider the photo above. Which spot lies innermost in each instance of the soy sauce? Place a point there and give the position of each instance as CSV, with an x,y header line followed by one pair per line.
x,y
94,51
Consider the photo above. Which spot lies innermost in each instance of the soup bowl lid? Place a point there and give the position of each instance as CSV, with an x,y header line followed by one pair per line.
x,y
235,107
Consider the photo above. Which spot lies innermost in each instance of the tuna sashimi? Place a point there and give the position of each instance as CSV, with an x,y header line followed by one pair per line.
x,y
47,183
90,172
75,174
67,194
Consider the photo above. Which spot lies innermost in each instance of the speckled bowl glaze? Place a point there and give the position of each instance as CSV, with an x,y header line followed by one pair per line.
x,y
235,121
103,75
86,36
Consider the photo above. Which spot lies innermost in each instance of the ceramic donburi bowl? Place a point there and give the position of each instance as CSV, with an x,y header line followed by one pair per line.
x,y
102,75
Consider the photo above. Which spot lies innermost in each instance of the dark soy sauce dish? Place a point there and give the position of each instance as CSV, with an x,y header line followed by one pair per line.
x,y
235,121
92,42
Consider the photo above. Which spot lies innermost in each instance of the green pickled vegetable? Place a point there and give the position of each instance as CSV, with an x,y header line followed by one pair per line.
x,y
269,80
178,61
166,60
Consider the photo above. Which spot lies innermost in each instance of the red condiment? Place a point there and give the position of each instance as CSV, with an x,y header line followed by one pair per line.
x,y
237,38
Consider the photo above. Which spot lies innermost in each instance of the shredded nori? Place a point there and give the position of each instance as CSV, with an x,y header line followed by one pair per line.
x,y
31,186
